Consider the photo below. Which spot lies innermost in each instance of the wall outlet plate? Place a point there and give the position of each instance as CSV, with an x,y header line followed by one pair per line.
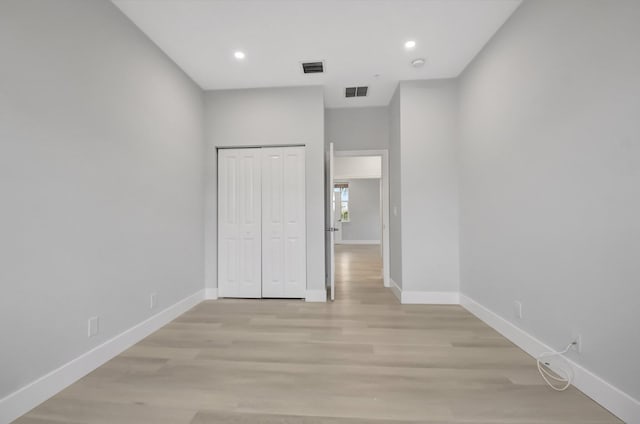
x,y
517,309
92,327
153,300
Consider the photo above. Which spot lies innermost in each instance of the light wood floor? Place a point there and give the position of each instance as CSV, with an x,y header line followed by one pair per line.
x,y
363,359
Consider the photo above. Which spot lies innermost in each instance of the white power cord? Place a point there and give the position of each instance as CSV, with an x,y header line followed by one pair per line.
x,y
563,376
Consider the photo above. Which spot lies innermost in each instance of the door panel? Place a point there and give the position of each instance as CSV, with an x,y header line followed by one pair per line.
x,y
239,223
295,270
330,222
272,245
283,197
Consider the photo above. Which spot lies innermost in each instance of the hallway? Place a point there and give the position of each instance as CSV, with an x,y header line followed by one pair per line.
x,y
359,275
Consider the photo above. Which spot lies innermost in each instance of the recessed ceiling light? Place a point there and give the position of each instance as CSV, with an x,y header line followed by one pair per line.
x,y
239,55
409,44
417,63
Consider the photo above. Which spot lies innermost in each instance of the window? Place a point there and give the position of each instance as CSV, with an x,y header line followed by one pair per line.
x,y
341,192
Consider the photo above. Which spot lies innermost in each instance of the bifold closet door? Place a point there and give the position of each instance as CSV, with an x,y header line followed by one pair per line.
x,y
284,271
239,223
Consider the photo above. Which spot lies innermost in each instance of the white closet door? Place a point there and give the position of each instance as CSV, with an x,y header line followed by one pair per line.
x,y
239,223
284,271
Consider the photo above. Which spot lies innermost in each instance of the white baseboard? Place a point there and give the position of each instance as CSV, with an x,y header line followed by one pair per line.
x,y
28,397
211,293
397,291
610,397
358,242
316,296
409,297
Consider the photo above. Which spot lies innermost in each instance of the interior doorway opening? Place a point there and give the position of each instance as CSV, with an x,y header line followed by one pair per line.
x,y
359,199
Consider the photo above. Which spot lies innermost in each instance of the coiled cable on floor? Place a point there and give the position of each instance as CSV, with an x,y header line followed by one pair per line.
x,y
562,376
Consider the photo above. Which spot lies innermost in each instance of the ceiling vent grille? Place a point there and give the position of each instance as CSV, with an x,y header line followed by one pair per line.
x,y
312,67
356,91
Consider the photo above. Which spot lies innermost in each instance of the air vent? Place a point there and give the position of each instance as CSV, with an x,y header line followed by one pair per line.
x,y
312,67
356,91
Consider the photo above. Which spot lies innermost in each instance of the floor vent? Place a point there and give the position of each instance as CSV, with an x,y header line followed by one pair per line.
x,y
313,67
356,91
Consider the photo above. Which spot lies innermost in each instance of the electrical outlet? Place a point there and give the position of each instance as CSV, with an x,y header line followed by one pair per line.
x,y
153,300
517,309
92,326
577,346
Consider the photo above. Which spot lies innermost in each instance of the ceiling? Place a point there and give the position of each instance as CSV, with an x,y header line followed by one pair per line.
x,y
361,41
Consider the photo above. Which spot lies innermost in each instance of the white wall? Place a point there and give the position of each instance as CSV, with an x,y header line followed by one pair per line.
x,y
429,199
269,116
364,210
101,187
550,150
347,167
357,128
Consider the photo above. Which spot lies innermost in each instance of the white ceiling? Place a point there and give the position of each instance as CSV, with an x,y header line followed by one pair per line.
x,y
358,39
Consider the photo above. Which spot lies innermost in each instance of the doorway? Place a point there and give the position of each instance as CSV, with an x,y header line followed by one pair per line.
x,y
359,208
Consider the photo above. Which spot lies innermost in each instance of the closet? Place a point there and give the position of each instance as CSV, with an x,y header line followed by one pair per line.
x,y
261,222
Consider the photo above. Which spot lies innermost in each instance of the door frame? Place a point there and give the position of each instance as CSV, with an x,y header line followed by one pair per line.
x,y
384,178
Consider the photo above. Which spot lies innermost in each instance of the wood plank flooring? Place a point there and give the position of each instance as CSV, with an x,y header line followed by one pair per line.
x,y
362,359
